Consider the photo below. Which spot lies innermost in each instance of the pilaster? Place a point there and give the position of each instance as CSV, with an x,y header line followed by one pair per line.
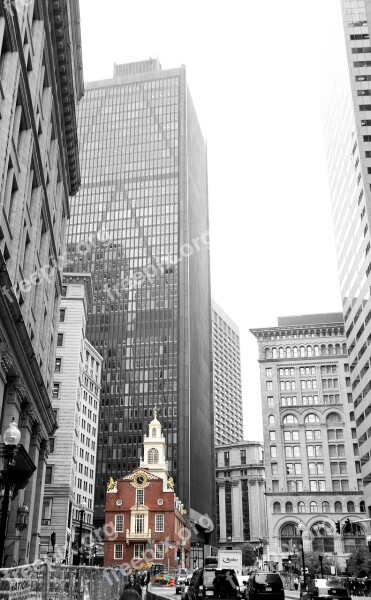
x,y
237,527
38,502
222,520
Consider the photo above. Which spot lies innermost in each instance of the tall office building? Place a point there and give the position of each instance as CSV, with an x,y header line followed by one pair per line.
x,y
40,82
313,468
226,378
70,474
140,226
347,126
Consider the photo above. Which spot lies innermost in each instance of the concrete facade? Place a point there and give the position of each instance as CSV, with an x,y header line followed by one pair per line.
x,y
73,449
313,467
228,420
240,488
347,130
40,84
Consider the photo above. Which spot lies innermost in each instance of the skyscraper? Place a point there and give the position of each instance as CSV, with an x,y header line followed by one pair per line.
x,y
140,225
311,450
226,378
347,126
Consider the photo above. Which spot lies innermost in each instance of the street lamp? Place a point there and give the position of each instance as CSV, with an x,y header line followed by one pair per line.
x,y
82,509
22,516
301,529
11,439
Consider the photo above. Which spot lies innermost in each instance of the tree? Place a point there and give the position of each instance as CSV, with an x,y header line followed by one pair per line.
x,y
248,555
360,562
313,565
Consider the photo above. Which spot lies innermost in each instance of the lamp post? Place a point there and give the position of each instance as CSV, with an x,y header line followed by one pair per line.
x,y
11,438
79,552
301,529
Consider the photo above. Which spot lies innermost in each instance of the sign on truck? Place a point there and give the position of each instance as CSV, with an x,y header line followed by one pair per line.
x,y
230,559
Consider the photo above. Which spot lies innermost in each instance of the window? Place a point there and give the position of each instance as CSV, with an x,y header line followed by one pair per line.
x,y
276,507
322,538
159,523
55,391
226,459
119,523
138,550
268,372
271,420
292,451
60,339
140,497
139,523
301,507
336,450
313,435
325,507
62,315
333,418
273,451
269,385
46,515
289,420
159,550
314,451
338,507
243,457
270,401
274,468
64,291
313,507
311,418
272,436
288,507
153,456
48,475
51,445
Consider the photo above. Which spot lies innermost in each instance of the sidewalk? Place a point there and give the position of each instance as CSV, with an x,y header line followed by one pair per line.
x,y
296,595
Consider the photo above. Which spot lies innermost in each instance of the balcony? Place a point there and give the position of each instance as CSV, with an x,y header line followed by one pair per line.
x,y
143,536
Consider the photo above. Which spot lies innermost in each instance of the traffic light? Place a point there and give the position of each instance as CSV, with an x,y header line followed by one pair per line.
x,y
178,554
289,557
320,558
52,539
348,526
337,526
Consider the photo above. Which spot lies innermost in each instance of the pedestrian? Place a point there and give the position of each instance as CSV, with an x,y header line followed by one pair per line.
x,y
296,584
132,589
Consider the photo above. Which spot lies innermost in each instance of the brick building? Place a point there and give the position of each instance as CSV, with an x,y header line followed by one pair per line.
x,y
145,521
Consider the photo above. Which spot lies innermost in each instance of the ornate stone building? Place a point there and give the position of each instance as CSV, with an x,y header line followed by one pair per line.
x,y
313,467
240,487
40,82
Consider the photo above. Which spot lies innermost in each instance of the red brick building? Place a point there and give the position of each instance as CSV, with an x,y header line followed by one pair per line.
x,y
145,521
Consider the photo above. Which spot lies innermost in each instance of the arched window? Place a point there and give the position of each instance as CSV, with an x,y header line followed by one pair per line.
x,y
289,420
274,352
338,507
316,351
313,506
302,351
281,353
288,352
350,506
330,349
288,507
333,418
345,350
267,353
311,418
337,349
362,507
153,432
301,507
325,507
295,351
276,507
153,456
271,420
290,537
354,539
309,351
323,350
323,538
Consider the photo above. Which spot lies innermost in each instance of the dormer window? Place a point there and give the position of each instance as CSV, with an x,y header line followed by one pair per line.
x,y
153,456
153,432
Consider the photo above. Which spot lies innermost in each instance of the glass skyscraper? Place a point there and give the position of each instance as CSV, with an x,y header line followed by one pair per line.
x,y
140,226
347,126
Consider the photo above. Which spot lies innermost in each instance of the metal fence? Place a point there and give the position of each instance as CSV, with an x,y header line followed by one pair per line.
x,y
48,581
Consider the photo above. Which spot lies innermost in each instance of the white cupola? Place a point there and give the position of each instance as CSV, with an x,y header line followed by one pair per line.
x,y
154,448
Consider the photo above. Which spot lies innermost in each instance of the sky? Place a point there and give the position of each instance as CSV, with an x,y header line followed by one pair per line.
x,y
253,72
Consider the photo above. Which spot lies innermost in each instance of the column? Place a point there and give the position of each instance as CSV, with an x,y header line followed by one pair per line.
x,y
222,520
29,497
237,520
38,502
254,509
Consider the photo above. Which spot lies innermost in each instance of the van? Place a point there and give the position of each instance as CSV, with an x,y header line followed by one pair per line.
x,y
265,586
213,583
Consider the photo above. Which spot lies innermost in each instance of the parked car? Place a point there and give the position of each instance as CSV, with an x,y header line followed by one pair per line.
x,y
213,583
179,583
265,586
324,589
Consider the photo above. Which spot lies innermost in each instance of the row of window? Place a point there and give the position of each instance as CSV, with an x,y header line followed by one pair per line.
x,y
290,371
138,551
139,523
325,507
315,485
308,400
305,351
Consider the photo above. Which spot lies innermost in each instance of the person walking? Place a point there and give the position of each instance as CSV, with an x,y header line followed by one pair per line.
x,y
132,589
296,584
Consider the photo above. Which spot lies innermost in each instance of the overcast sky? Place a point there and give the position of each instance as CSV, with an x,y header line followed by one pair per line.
x,y
253,72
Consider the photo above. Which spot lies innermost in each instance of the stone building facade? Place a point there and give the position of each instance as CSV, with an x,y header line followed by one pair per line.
x,y
70,480
240,488
313,467
145,521
40,82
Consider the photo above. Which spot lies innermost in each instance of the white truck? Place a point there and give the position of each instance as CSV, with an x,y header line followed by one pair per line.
x,y
230,559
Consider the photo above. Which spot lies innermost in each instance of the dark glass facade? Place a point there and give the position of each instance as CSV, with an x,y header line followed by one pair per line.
x,y
140,225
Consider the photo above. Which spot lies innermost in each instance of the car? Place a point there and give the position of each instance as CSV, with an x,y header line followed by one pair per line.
x,y
265,586
179,583
213,583
322,589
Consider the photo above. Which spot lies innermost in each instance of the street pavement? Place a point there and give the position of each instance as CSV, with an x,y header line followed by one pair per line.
x,y
169,592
